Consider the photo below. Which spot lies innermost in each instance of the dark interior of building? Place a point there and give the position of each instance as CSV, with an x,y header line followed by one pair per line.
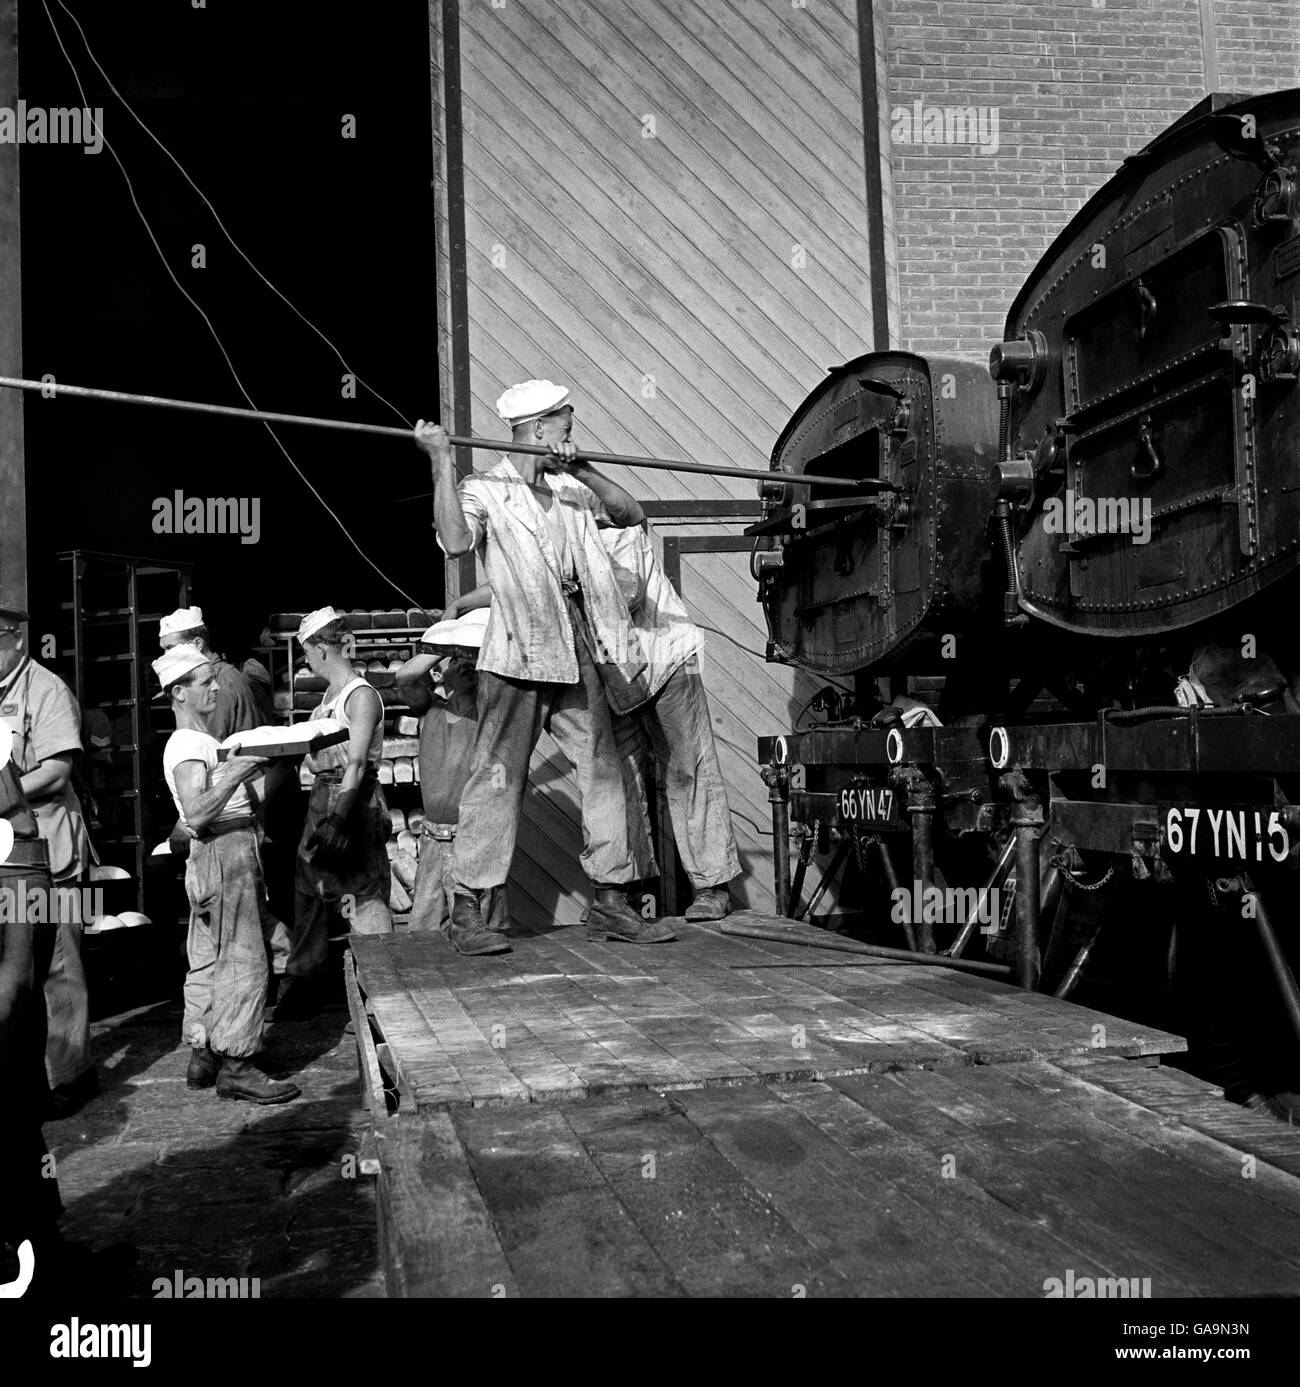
x,y
253,100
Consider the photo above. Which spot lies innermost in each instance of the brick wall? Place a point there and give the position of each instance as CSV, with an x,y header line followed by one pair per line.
x,y
1074,86
1257,44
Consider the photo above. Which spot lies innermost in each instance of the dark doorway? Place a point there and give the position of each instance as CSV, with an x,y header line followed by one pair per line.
x,y
252,98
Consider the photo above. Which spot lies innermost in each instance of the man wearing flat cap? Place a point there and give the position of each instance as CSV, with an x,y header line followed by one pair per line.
x,y
343,873
46,724
558,619
225,988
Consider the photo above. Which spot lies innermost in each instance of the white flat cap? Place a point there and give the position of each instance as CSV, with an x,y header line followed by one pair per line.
x,y
462,630
177,662
313,621
531,400
182,619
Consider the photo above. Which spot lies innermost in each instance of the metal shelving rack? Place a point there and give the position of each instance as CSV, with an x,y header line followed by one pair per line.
x,y
108,591
369,639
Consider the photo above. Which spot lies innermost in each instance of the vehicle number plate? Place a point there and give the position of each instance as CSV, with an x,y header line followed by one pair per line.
x,y
867,804
1248,835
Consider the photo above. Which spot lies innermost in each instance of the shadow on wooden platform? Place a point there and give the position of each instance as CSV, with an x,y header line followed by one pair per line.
x,y
731,1117
1006,1180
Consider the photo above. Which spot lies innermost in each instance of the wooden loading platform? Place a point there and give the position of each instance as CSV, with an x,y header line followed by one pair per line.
x,y
729,1116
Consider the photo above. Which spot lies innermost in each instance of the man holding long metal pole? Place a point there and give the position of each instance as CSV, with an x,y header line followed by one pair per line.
x,y
557,614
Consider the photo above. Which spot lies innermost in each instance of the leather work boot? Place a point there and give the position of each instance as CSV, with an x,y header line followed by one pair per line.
x,y
203,1067
610,917
468,934
710,903
240,1078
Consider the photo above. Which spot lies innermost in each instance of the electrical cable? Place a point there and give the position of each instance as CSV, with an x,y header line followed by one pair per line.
x,y
758,655
216,337
207,202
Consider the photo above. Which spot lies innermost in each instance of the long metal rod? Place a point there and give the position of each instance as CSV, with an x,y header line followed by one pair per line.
x,y
923,863
1028,899
804,912
780,844
891,876
812,937
1277,959
497,445
954,950
800,871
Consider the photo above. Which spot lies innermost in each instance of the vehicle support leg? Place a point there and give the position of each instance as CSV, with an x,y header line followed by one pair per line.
x,y
1028,825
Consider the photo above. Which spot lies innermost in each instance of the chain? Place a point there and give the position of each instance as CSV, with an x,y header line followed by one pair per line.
x,y
1081,885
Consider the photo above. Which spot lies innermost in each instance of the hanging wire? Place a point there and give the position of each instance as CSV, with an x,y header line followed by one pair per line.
x,y
216,337
239,250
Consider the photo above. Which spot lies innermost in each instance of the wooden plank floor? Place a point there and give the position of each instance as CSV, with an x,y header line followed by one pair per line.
x,y
959,1181
563,1019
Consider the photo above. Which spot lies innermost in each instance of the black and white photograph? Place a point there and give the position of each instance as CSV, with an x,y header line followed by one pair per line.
x,y
648,651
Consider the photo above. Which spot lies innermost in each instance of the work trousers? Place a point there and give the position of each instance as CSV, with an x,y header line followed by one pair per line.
x,y
29,1193
340,892
512,714
675,725
435,885
67,1002
225,988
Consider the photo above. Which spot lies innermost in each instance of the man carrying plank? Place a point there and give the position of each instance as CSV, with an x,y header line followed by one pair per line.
x,y
557,613
241,706
225,989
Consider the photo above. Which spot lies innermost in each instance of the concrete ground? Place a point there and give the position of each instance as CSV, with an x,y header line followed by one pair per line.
x,y
213,1187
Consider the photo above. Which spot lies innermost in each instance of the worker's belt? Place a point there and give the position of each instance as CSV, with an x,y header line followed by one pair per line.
x,y
28,852
443,833
335,777
219,830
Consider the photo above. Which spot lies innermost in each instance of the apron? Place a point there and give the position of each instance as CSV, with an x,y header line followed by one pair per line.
x,y
362,871
624,674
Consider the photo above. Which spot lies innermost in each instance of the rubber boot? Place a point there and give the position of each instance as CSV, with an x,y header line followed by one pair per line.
x,y
610,917
240,1078
203,1067
710,903
468,934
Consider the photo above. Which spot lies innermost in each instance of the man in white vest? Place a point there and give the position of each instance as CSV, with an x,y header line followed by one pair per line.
x,y
225,988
